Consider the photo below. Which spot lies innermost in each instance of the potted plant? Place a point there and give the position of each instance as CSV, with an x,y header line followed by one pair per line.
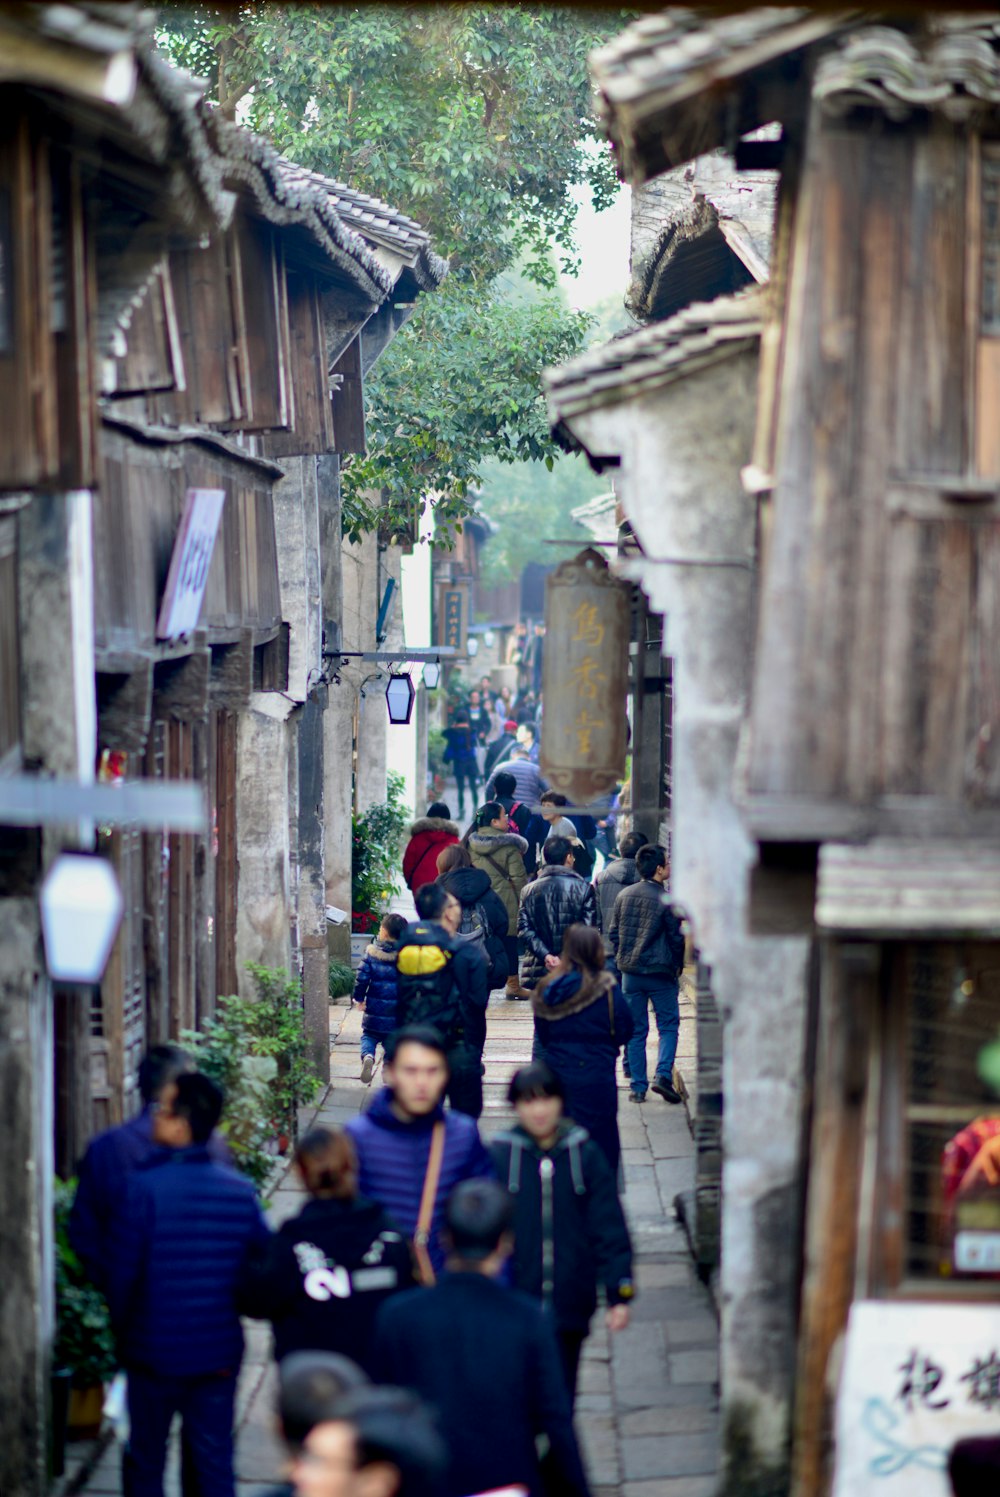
x,y
84,1344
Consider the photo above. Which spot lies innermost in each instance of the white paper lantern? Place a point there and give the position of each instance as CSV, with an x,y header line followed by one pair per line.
x,y
81,906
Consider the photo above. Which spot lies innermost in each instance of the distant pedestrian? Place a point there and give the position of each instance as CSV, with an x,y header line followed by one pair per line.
x,y
615,876
555,899
499,852
407,1144
325,1273
485,1358
528,782
444,981
581,1023
648,945
376,990
484,915
569,1229
460,752
552,811
429,836
527,737
501,746
180,1248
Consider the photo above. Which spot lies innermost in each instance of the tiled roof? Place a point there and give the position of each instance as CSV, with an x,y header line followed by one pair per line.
x,y
662,84
287,196
383,225
655,355
956,70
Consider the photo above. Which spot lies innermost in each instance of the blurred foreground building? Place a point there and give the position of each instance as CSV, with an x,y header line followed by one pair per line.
x,y
186,322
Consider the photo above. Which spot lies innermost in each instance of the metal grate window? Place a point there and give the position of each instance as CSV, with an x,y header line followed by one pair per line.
x,y
952,1012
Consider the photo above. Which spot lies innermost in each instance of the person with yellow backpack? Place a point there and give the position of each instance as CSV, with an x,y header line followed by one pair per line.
x,y
443,982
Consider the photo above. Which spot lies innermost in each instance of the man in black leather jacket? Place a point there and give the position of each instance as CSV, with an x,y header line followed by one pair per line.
x,y
648,945
550,904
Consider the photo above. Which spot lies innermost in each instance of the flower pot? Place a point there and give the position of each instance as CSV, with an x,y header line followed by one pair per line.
x,y
86,1407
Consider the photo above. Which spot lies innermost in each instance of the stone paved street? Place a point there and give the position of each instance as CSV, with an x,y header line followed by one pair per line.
x,y
647,1406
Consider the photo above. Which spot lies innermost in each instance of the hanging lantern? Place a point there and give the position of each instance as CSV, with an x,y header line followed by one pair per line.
x,y
432,676
81,906
399,698
585,678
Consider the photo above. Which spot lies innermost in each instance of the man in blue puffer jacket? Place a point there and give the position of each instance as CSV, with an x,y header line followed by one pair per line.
x,y
393,1138
177,1252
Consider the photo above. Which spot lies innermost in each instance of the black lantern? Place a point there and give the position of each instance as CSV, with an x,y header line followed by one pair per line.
x,y
399,698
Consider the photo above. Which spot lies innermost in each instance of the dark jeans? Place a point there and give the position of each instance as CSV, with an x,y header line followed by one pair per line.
x,y
570,1349
641,989
466,773
206,1406
465,1084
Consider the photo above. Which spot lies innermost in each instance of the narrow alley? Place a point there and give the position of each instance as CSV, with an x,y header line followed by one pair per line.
x,y
647,1411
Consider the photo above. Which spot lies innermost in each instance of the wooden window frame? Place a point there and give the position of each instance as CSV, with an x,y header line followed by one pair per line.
x,y
883,1218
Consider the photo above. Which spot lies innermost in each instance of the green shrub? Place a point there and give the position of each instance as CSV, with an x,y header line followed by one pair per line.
x,y
376,855
84,1342
257,1051
341,980
436,745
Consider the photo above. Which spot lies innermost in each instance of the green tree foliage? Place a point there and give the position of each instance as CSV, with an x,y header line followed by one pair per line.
x,y
526,502
476,120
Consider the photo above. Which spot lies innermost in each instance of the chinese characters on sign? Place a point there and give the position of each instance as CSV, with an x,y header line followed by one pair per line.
x,y
916,1379
584,735
452,618
190,562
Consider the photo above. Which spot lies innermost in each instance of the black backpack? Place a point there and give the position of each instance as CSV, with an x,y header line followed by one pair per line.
x,y
428,992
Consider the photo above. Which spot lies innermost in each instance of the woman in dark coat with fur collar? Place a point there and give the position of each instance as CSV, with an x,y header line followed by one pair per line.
x,y
428,837
581,1022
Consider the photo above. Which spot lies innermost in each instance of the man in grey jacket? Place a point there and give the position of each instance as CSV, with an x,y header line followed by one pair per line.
x,y
648,946
615,876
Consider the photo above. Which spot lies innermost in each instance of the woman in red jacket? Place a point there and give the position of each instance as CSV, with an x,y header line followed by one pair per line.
x,y
428,837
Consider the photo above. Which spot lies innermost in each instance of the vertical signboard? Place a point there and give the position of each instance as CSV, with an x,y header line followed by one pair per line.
x,y
453,618
189,563
585,678
916,1378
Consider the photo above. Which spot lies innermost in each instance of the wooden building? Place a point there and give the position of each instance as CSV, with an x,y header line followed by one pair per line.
x,y
863,769
181,358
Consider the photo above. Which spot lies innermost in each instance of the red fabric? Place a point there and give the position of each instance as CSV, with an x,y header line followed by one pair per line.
x,y
421,855
960,1152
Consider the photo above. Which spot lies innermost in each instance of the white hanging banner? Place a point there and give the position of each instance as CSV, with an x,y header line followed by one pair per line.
x,y
189,563
916,1378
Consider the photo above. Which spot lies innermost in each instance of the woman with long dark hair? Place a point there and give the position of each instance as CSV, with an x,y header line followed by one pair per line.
x,y
325,1273
484,914
581,1022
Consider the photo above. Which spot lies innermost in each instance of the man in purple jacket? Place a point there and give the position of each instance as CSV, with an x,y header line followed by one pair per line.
x,y
178,1252
393,1138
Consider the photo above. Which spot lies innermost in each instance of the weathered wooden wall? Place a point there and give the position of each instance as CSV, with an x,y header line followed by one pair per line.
x,y
877,681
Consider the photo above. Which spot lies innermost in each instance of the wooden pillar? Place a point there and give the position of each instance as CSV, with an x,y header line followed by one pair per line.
x,y
849,999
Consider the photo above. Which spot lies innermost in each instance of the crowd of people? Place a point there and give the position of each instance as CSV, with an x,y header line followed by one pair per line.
x,y
419,1245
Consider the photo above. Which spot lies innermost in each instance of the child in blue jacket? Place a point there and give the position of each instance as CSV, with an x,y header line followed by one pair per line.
x,y
375,990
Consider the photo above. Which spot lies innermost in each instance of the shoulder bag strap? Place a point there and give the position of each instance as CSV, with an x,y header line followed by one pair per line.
x,y
425,1269
611,1010
502,871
